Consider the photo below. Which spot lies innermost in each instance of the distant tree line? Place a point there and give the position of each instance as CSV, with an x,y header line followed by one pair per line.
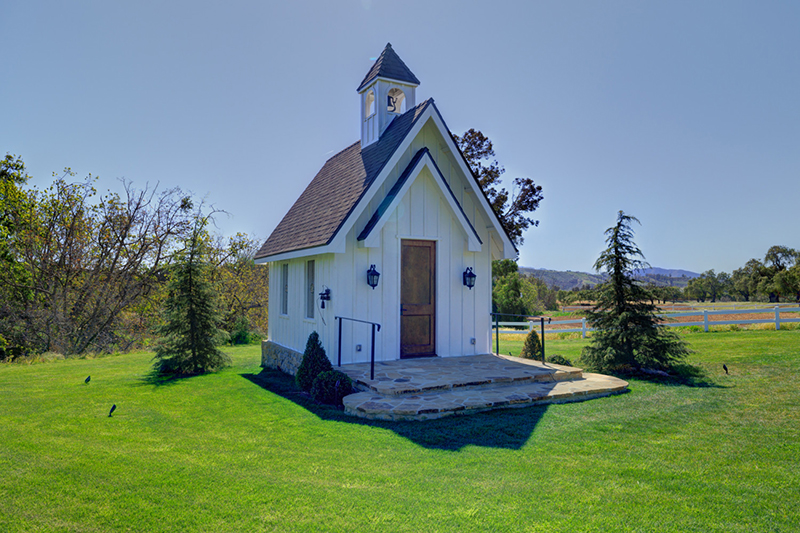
x,y
775,279
82,272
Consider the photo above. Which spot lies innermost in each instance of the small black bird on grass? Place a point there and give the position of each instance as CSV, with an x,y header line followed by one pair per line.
x,y
112,410
88,378
725,368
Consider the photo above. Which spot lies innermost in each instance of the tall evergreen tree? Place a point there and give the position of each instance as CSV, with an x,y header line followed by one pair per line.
x,y
191,330
628,330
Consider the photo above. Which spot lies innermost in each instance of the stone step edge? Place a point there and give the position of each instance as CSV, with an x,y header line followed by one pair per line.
x,y
558,375
355,407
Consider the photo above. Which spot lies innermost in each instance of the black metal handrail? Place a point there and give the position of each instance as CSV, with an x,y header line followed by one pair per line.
x,y
526,317
372,347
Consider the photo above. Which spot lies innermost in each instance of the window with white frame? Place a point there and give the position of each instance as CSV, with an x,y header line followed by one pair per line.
x,y
395,101
285,289
369,104
310,301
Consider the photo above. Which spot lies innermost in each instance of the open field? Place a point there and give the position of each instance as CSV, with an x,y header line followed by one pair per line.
x,y
242,451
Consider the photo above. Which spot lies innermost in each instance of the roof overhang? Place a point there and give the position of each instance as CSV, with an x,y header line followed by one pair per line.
x,y
338,243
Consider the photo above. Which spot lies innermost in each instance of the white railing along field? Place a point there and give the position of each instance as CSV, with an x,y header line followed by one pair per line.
x,y
776,310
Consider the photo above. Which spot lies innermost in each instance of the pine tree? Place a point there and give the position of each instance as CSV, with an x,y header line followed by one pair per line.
x,y
629,334
532,349
191,330
315,361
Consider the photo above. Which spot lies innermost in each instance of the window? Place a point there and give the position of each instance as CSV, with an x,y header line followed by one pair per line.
x,y
310,301
396,101
285,289
369,105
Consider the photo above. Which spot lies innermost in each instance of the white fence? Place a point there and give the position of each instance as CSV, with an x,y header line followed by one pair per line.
x,y
777,320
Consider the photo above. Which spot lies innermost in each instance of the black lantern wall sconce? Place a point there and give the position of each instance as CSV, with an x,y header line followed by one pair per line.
x,y
372,277
469,278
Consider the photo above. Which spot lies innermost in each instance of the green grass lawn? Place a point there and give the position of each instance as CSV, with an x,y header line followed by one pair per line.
x,y
242,451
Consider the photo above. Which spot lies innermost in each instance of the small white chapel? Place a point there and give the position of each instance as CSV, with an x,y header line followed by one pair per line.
x,y
392,240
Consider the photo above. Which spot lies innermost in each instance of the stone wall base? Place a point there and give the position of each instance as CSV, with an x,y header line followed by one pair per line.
x,y
280,357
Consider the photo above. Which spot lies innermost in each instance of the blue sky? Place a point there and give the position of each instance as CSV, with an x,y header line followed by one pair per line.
x,y
683,114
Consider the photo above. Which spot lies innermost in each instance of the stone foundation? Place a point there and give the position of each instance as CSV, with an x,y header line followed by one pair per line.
x,y
280,357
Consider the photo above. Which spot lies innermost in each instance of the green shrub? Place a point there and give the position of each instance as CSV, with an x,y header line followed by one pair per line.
x,y
532,349
331,387
241,333
314,363
559,360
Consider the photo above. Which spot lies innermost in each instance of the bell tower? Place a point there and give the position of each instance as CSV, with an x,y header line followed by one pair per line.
x,y
386,92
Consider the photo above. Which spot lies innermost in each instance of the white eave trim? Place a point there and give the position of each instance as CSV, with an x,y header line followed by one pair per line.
x,y
373,237
294,254
339,240
509,251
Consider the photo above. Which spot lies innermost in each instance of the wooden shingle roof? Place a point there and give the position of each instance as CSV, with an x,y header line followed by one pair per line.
x,y
389,65
317,215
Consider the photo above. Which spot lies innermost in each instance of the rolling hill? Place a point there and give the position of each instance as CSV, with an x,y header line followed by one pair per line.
x,y
568,279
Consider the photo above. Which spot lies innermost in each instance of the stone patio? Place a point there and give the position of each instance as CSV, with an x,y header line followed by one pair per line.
x,y
420,389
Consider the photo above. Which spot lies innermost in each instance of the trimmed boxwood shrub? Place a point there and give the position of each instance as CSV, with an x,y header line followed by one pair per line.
x,y
559,360
330,387
532,349
314,363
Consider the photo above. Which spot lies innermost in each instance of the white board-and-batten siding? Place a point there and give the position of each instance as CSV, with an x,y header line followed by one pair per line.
x,y
422,213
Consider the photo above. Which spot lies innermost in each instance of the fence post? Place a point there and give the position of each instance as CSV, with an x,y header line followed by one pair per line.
x,y
777,318
583,327
705,319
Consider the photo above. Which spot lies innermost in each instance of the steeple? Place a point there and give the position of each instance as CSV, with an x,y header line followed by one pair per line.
x,y
386,91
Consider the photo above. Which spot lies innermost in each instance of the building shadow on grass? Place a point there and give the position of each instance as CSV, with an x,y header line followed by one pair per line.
x,y
507,428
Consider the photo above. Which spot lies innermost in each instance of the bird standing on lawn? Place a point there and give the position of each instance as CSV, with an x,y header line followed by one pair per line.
x,y
725,368
112,410
88,378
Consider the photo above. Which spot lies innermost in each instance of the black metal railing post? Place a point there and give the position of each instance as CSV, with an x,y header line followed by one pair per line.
x,y
340,340
542,339
372,348
497,333
372,356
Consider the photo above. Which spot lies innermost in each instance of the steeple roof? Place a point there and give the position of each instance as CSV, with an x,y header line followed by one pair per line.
x,y
389,65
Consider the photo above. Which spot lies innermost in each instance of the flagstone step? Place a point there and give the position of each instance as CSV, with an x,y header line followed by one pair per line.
x,y
463,401
421,376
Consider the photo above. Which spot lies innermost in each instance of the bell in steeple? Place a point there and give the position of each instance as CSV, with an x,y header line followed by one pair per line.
x,y
386,91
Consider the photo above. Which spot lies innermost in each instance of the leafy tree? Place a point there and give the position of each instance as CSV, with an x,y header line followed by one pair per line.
x,y
243,287
86,261
628,330
537,296
774,282
507,297
745,280
192,317
787,282
780,257
513,211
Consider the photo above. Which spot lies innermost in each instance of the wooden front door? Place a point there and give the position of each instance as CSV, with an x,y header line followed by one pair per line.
x,y
418,299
